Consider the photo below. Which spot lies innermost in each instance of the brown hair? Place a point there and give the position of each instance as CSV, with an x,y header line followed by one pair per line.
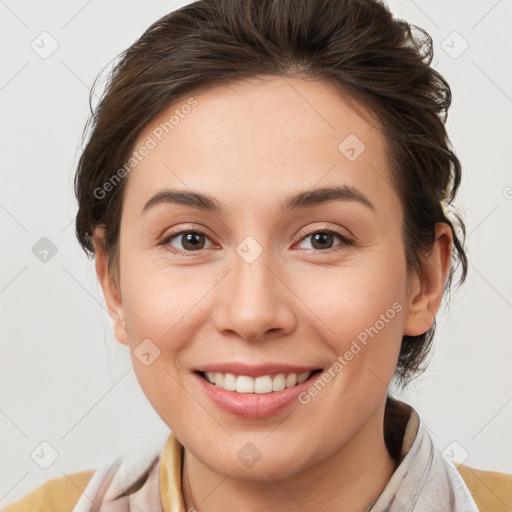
x,y
382,63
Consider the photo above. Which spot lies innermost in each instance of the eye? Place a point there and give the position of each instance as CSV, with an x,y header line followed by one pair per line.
x,y
190,241
195,240
322,240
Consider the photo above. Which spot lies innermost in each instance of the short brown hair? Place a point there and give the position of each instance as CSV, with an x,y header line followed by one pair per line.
x,y
381,62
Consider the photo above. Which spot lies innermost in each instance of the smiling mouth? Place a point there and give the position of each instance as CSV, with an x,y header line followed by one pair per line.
x,y
258,385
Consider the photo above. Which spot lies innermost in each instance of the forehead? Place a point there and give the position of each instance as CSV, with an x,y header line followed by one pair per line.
x,y
245,137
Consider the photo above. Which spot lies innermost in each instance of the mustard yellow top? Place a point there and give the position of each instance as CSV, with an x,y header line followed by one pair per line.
x,y
491,490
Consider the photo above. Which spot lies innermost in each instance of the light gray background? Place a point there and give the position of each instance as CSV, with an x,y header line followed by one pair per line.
x,y
67,381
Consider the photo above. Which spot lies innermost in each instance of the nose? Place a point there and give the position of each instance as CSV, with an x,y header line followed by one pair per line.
x,y
255,301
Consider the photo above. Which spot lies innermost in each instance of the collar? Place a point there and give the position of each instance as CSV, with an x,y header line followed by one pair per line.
x,y
169,475
423,480
401,422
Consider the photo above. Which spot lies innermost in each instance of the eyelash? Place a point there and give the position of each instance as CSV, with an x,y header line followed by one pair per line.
x,y
346,240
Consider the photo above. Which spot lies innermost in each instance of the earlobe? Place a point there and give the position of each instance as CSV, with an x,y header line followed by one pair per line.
x,y
426,288
110,287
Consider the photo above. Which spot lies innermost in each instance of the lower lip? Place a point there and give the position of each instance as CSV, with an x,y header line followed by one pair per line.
x,y
254,405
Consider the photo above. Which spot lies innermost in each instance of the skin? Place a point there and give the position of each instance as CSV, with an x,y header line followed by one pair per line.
x,y
249,145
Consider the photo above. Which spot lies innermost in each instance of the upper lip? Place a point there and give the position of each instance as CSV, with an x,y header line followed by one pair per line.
x,y
238,368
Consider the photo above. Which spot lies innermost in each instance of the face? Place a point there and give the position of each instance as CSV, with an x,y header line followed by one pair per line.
x,y
255,284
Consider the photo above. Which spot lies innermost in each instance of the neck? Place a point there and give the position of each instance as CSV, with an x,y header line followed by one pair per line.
x,y
350,480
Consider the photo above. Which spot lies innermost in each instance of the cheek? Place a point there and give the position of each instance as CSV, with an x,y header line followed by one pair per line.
x,y
158,301
165,310
161,318
362,310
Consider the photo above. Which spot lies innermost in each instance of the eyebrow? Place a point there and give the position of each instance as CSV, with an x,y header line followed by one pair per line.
x,y
306,198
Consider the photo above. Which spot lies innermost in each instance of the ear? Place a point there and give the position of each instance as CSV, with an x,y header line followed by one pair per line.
x,y
426,289
111,289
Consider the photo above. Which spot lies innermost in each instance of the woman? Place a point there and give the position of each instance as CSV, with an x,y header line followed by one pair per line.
x,y
266,191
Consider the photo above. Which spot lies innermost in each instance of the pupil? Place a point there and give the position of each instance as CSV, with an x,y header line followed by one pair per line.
x,y
192,238
322,238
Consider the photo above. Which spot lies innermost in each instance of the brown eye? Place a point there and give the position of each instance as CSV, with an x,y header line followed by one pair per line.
x,y
187,241
323,240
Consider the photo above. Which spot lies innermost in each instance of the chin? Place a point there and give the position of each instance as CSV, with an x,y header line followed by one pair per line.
x,y
258,463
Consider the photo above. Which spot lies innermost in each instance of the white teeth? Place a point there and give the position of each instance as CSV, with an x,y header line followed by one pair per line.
x,y
291,380
228,382
261,385
279,382
244,384
218,377
302,377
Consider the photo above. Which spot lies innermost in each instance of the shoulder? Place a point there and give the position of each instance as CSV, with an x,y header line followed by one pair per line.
x,y
491,490
57,495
